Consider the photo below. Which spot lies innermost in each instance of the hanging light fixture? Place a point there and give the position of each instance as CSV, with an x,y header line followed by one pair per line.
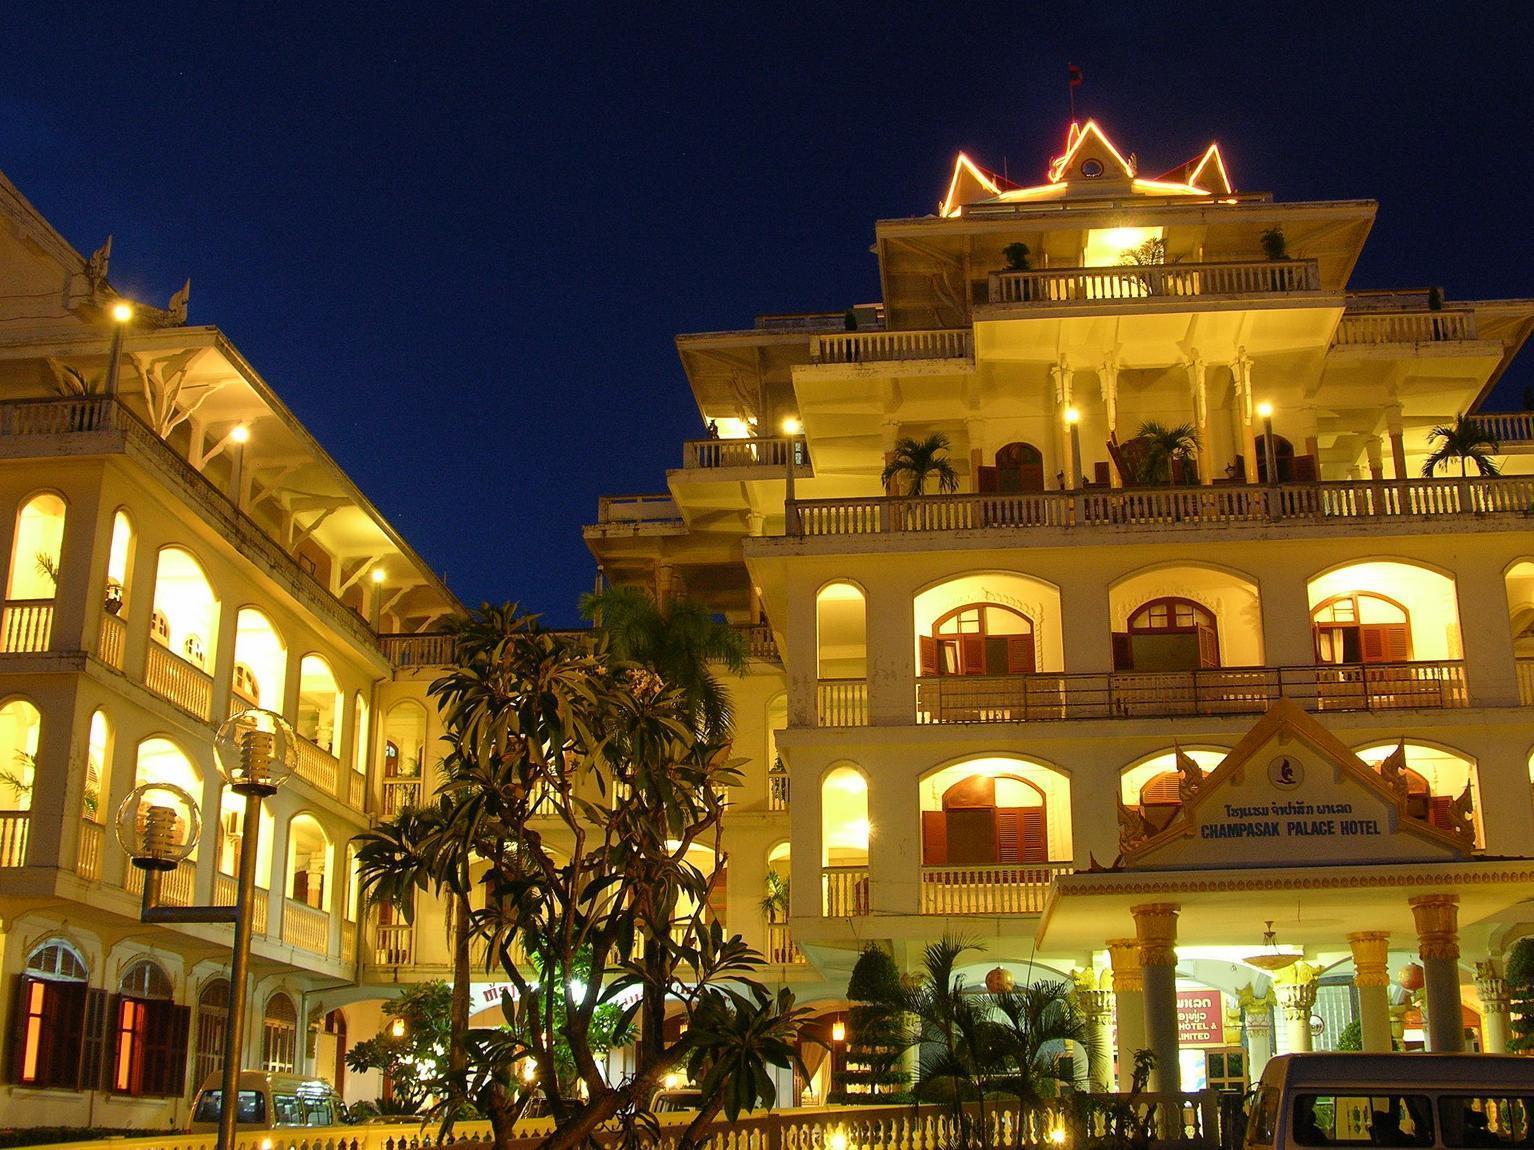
x,y
1270,958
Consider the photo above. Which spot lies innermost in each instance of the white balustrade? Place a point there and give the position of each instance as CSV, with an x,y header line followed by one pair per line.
x,y
14,828
1506,427
768,453
393,944
845,890
178,887
417,650
110,640
179,682
1013,888
1525,668
841,702
26,626
1140,282
305,927
781,950
317,766
1372,328
225,889
88,850
887,346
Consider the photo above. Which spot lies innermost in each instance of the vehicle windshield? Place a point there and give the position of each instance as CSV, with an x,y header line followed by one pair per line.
x,y
211,1105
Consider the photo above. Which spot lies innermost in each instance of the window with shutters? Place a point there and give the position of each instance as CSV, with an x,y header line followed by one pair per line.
x,y
212,1028
1168,634
980,639
987,821
149,1034
279,1035
48,1019
1361,627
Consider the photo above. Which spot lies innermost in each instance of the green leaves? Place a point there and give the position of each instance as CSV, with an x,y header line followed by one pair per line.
x,y
918,461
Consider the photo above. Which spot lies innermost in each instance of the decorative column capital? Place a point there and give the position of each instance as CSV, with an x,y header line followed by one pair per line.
x,y
1437,917
1371,957
1492,987
1298,997
1156,932
1062,375
1124,956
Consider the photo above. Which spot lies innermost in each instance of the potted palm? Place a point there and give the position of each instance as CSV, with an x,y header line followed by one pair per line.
x,y
1163,452
919,461
1466,441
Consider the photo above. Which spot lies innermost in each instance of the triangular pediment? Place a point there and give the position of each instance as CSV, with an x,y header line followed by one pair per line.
x,y
969,183
1290,794
1090,160
1206,172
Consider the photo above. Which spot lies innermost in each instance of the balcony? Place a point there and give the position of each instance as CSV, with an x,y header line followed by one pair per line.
x,y
1525,669
1015,888
178,887
1372,329
30,428
317,766
225,890
1220,506
844,891
769,455
393,944
14,828
417,650
88,850
110,640
1142,284
1212,691
781,950
891,346
399,794
842,702
177,681
306,927
1508,428
25,626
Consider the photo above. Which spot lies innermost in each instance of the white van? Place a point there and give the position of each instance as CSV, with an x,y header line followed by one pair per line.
x,y
1443,1101
269,1101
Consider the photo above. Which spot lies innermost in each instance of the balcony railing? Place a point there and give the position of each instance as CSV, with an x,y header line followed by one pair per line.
x,y
844,891
637,509
398,794
88,850
772,454
1211,691
781,950
305,927
1506,427
348,943
777,790
110,640
317,766
417,650
1015,888
103,413
26,626
14,827
1404,327
356,790
179,682
226,889
393,945
1138,283
759,642
178,887
842,702
1525,669
1177,508
887,346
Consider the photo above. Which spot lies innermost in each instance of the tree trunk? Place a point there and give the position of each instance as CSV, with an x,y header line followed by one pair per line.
x,y
457,1054
697,1131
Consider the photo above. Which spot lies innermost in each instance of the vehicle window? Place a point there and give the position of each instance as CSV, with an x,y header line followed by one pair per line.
x,y
1486,1120
1264,1117
211,1104
1353,1120
286,1110
317,1112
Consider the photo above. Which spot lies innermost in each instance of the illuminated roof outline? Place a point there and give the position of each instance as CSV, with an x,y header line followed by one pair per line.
x,y
1090,165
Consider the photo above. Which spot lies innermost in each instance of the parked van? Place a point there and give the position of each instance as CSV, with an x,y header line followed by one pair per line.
x,y
269,1101
1443,1101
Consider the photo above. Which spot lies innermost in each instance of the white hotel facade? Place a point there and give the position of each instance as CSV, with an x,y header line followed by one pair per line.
x,y
1110,731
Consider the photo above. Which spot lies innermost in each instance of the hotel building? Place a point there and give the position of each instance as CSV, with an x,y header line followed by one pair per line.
x,y
1238,741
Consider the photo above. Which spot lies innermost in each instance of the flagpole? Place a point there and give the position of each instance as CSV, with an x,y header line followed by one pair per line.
x,y
1070,87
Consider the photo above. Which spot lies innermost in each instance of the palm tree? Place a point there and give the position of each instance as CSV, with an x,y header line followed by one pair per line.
x,y
678,640
1464,440
1162,448
921,460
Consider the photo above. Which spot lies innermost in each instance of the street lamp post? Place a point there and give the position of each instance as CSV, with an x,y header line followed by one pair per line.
x,y
122,315
158,826
1074,475
1265,410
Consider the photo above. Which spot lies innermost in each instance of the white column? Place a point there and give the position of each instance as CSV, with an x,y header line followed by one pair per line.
x,y
1257,1025
1156,933
1062,376
1397,439
1296,989
1241,376
1108,380
1199,391
1492,988
1094,997
1128,1005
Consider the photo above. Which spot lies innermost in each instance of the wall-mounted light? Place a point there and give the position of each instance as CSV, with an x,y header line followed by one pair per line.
x,y
838,1031
397,1028
378,575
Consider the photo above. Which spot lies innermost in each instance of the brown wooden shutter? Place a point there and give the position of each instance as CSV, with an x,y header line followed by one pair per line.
x,y
1397,642
1035,835
1208,647
95,1066
990,481
1440,811
1009,835
18,1040
928,646
1123,652
1020,657
63,1025
1371,644
972,654
934,838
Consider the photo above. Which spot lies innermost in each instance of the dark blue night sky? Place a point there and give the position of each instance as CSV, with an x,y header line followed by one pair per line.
x,y
458,238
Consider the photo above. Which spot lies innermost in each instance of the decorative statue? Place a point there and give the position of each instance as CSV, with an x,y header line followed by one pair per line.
x,y
1393,771
175,311
1133,829
1191,775
96,267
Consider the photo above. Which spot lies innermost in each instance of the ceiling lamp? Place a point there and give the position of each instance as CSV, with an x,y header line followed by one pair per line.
x,y
1271,959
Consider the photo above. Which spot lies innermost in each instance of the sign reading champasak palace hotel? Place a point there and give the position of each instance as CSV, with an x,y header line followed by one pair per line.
x,y
1290,792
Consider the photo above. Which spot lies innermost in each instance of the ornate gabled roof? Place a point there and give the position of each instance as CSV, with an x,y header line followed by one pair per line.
x,y
1090,166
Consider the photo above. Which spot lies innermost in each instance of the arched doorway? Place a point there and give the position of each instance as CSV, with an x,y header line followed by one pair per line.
x,y
1018,467
980,639
1168,634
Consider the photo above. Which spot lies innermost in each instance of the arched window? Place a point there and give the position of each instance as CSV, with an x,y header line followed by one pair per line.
x,y
49,1026
279,1035
980,639
1019,467
335,1029
1168,634
359,734
1435,778
119,559
36,549
1361,627
212,1027
260,662
185,618
20,726
842,632
320,704
150,1033
844,841
97,763
987,820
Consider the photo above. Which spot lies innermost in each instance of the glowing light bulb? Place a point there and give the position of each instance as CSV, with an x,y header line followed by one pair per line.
x,y
122,311
792,425
240,434
397,1028
378,575
1072,415
1265,410
838,1031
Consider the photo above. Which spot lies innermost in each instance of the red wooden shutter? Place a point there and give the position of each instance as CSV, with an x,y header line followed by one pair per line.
x,y
1035,835
1123,652
1371,644
972,654
1439,811
928,646
990,482
1208,647
24,984
1009,835
1397,642
934,838
1020,659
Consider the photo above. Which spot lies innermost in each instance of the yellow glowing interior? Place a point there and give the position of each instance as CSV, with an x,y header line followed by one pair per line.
x,y
1106,246
19,725
842,627
39,543
844,828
